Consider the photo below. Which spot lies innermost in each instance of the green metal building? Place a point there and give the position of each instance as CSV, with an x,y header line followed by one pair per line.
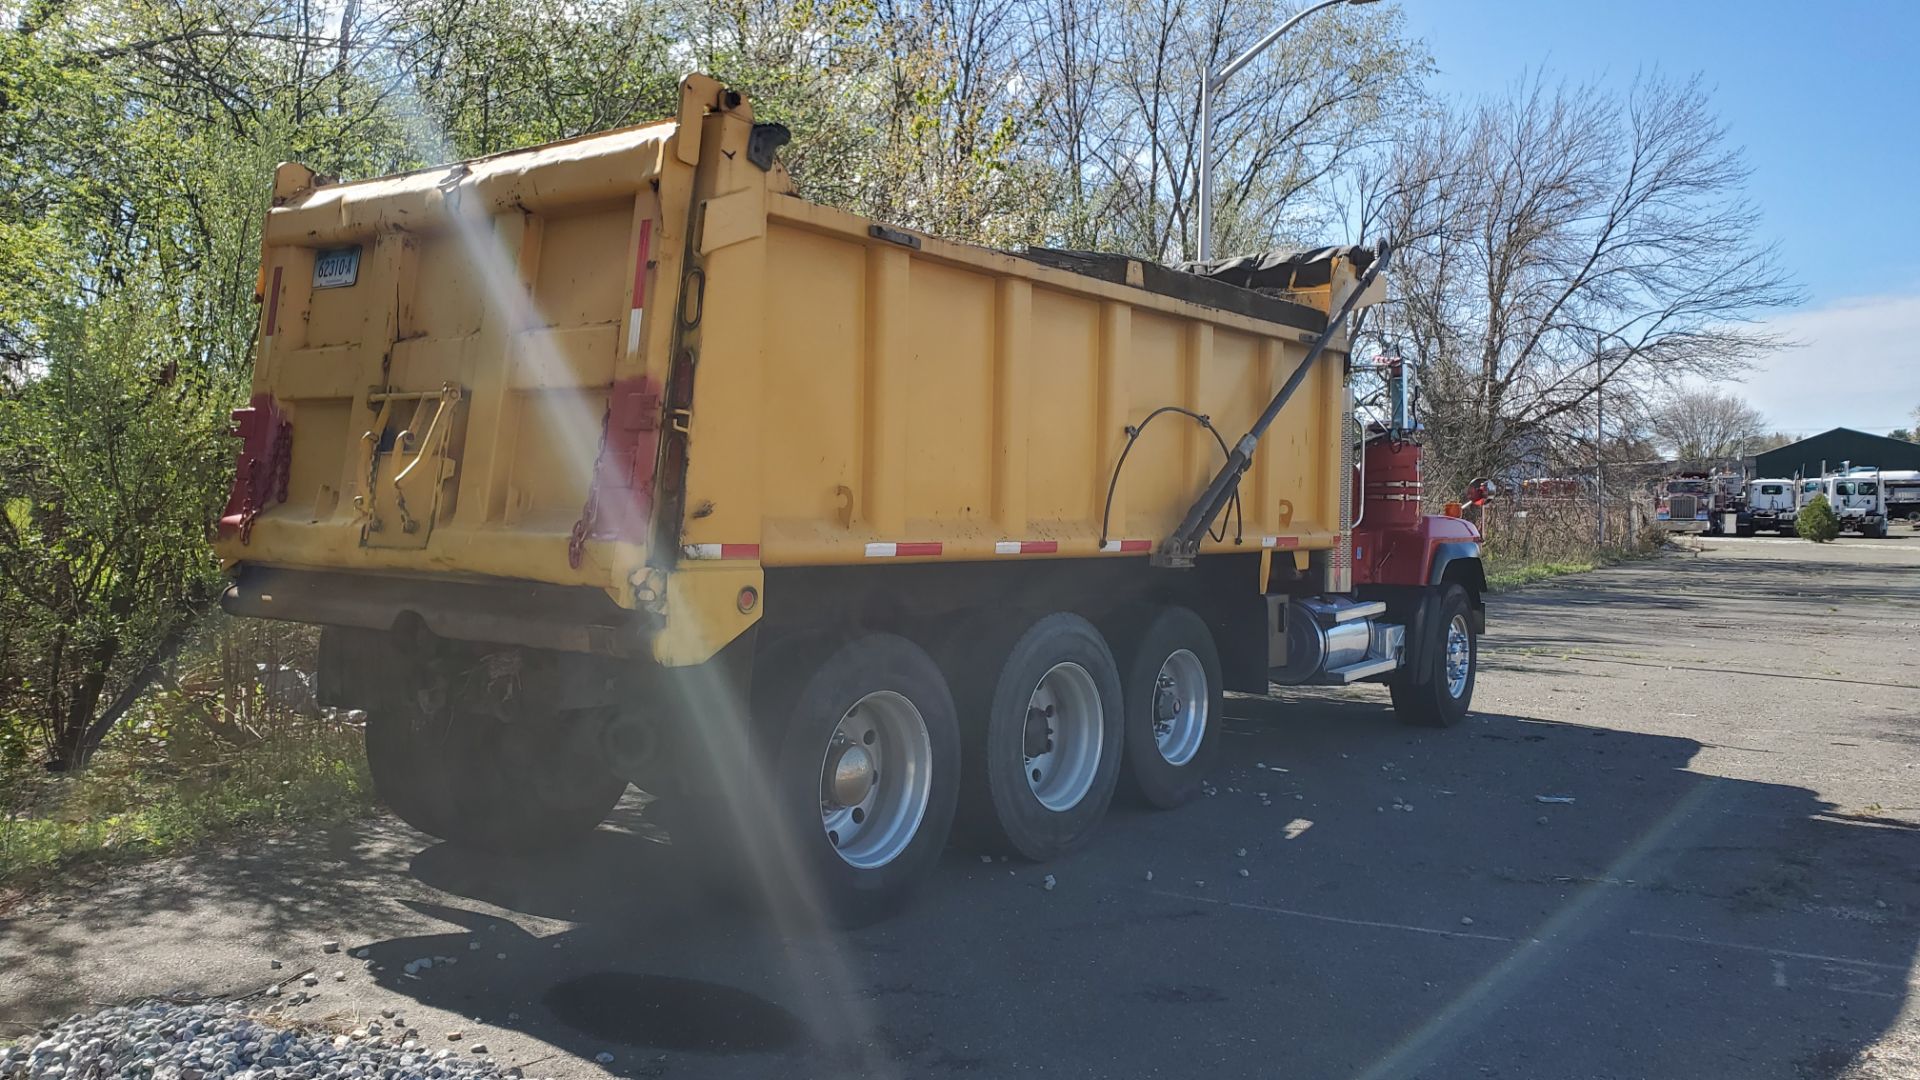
x,y
1826,451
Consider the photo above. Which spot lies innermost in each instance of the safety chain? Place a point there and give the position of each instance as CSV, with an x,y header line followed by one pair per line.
x,y
590,513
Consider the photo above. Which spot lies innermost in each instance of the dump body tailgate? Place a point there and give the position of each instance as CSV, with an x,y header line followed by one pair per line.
x,y
450,359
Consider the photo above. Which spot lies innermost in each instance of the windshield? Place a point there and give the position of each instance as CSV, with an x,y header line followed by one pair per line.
x,y
1773,489
1686,487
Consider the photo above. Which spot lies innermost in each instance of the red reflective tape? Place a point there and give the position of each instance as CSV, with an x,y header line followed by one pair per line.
x,y
1039,547
739,551
640,264
1136,545
932,548
273,303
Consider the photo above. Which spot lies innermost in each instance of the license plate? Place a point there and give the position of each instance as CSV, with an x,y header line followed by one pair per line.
x,y
336,268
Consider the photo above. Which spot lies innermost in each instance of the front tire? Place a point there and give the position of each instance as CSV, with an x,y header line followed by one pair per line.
x,y
1443,695
1044,735
1171,692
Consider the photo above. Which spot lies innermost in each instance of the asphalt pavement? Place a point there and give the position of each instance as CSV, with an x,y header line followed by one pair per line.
x,y
1680,837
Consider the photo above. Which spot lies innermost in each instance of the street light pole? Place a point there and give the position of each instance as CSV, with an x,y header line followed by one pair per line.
x,y
1209,82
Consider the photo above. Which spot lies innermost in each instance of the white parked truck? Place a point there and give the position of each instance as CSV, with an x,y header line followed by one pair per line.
x,y
1902,490
1771,505
1857,497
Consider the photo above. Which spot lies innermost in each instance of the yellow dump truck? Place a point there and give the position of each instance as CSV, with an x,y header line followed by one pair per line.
x,y
615,461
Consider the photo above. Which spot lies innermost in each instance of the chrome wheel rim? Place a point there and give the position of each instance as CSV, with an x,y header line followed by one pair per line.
x,y
1459,656
1063,736
1180,707
876,777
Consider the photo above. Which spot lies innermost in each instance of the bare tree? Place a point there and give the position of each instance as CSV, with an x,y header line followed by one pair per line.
x,y
1561,243
1704,427
1119,92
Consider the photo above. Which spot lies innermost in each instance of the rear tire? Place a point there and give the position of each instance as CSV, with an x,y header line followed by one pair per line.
x,y
876,716
749,810
414,784
1043,730
1171,692
1442,697
482,783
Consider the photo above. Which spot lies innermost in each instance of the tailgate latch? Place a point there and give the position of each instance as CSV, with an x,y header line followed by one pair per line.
x,y
420,464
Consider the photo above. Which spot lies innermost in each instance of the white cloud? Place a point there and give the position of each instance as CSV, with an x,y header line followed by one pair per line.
x,y
1856,364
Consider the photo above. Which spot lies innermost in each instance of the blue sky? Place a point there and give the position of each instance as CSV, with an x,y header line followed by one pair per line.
x,y
1824,96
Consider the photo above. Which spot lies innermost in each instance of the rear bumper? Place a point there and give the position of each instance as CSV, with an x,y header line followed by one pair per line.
x,y
503,611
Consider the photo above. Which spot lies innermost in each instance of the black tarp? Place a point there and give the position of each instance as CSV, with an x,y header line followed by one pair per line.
x,y
1218,292
1281,269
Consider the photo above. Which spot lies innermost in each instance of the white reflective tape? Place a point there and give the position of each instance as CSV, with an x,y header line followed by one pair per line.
x,y
881,551
1006,547
633,330
720,551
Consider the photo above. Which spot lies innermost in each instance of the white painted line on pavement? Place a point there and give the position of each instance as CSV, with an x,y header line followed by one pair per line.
x,y
1770,950
1316,916
1841,543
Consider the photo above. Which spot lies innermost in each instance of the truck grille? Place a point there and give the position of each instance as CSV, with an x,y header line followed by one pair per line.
x,y
1681,506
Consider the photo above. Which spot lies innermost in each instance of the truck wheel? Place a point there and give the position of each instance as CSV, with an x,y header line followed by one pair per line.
x,y
413,783
1044,737
1442,698
1170,690
478,782
865,757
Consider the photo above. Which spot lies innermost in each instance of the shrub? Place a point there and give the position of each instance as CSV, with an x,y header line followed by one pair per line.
x,y
1817,521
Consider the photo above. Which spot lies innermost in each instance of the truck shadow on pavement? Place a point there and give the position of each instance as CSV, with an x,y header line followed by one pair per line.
x,y
1358,899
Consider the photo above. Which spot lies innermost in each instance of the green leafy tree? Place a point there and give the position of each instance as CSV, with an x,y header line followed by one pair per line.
x,y
111,463
135,146
1817,521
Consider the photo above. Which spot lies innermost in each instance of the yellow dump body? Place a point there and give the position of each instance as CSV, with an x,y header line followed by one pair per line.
x,y
738,380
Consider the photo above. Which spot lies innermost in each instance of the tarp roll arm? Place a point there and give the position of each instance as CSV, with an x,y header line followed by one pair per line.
x,y
1180,547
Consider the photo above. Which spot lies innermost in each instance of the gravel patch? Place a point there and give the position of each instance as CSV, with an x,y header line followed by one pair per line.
x,y
163,1041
